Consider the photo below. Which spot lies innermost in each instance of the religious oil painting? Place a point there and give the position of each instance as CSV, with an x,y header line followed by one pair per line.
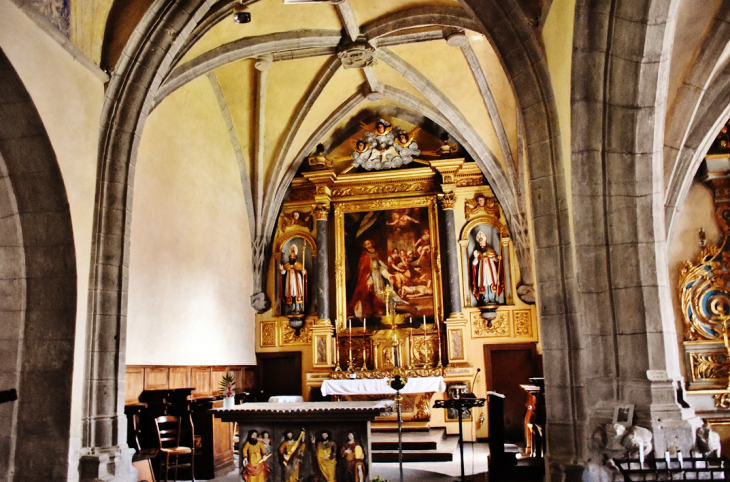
x,y
294,275
389,257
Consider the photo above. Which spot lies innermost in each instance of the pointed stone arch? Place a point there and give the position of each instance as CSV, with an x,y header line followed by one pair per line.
x,y
38,282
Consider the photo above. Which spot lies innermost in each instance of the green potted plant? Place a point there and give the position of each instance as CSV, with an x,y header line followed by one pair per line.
x,y
227,387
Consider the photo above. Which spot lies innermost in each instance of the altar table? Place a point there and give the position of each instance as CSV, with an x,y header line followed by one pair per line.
x,y
338,419
365,386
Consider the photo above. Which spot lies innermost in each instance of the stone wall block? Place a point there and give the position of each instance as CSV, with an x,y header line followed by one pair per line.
x,y
589,136
105,366
650,94
106,340
50,324
542,190
51,354
645,130
622,171
621,129
524,82
601,362
534,119
645,219
12,262
596,314
33,151
654,42
9,353
12,294
653,317
657,351
112,222
546,228
592,266
53,261
621,215
630,310
628,39
540,164
625,270
502,33
587,84
107,302
13,324
25,122
52,293
556,368
47,228
548,263
31,469
36,399
632,355
9,222
560,438
624,80
589,220
554,332
591,30
110,277
111,247
648,265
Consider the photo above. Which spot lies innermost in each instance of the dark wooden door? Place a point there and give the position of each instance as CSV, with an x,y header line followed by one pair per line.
x,y
279,373
508,367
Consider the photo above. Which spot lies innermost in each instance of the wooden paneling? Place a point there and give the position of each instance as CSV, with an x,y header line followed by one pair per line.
x,y
156,378
179,377
204,379
200,379
216,373
133,384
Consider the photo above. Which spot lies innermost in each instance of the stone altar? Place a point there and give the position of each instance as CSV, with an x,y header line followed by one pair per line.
x,y
306,421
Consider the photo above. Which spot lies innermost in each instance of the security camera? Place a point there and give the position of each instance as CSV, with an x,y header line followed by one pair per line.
x,y
242,17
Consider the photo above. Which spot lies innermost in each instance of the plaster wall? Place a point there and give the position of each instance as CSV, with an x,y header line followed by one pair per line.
x,y
69,99
190,262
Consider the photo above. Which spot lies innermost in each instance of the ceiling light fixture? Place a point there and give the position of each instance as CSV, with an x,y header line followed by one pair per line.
x,y
240,14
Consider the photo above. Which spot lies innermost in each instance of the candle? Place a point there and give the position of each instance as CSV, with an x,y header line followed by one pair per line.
x,y
364,324
666,457
641,454
679,458
410,320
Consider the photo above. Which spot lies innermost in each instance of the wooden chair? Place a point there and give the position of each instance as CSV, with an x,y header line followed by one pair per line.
x,y
168,437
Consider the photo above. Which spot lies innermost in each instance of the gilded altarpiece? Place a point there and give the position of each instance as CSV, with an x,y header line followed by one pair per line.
x,y
704,291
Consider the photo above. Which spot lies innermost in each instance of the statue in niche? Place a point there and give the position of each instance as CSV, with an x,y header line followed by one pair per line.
x,y
487,279
481,204
293,282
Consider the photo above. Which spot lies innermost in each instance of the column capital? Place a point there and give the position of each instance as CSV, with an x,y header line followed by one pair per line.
x,y
321,211
447,168
447,200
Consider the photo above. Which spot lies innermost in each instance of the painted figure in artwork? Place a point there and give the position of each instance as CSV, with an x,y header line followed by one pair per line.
x,y
266,440
326,451
253,459
353,453
372,278
291,452
486,272
293,283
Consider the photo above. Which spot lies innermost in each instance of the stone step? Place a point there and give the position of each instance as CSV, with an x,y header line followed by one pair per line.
x,y
433,446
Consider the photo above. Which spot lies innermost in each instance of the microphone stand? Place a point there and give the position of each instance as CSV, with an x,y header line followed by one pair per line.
x,y
460,404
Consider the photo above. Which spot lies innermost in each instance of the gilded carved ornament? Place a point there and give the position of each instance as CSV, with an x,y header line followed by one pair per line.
x,y
447,200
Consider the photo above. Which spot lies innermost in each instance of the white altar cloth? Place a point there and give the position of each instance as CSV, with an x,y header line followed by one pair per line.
x,y
363,386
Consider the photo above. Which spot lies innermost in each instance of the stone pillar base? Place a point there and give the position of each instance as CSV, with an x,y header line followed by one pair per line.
x,y
113,464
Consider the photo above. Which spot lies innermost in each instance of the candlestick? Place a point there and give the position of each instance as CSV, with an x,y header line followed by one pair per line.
x,y
349,325
410,348
397,359
641,454
337,350
438,332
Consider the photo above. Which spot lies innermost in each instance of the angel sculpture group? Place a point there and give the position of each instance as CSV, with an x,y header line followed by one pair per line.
x,y
384,149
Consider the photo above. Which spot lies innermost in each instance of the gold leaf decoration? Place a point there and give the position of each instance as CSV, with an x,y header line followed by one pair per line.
x,y
523,323
268,333
498,327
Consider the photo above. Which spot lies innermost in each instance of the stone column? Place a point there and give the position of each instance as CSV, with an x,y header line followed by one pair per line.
x,y
321,212
450,250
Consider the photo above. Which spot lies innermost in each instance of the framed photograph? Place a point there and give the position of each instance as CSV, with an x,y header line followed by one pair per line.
x,y
387,245
624,415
